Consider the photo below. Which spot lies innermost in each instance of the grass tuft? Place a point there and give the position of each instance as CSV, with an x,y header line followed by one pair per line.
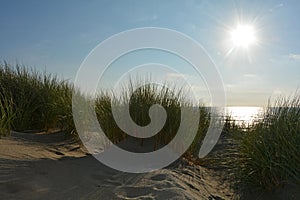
x,y
34,101
265,156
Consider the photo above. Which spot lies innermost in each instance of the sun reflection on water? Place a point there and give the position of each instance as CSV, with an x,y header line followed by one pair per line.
x,y
243,114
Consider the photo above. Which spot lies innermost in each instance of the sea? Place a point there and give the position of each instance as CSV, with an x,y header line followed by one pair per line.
x,y
244,114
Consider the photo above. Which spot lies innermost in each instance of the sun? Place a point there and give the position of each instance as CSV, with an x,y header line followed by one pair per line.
x,y
243,36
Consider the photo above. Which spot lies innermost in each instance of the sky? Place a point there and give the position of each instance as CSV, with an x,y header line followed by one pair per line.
x,y
57,36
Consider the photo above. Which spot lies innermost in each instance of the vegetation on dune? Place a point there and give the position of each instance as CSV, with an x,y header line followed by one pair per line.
x,y
264,155
269,153
140,102
33,101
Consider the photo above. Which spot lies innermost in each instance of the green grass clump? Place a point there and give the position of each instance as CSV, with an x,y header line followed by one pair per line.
x,y
37,101
266,156
263,156
140,102
144,97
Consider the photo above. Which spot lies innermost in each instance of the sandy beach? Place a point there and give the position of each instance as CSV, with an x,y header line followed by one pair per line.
x,y
47,166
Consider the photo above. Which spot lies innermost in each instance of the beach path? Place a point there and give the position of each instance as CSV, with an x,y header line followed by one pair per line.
x,y
46,166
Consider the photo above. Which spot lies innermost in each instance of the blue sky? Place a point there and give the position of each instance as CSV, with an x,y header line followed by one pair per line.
x,y
58,35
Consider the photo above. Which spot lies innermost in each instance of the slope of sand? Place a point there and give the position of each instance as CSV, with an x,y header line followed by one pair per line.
x,y
41,166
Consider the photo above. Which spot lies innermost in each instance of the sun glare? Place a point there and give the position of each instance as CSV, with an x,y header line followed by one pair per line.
x,y
243,36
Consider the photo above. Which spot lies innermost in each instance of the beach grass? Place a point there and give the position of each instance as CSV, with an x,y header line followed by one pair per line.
x,y
140,101
41,101
265,155
270,151
36,100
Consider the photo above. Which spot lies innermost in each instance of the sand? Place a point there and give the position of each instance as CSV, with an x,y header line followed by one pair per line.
x,y
47,166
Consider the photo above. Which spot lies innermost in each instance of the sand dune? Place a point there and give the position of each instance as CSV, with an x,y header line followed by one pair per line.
x,y
41,166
